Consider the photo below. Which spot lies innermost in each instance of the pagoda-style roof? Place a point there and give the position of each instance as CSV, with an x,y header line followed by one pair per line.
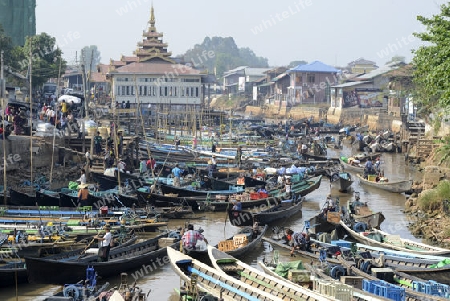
x,y
152,46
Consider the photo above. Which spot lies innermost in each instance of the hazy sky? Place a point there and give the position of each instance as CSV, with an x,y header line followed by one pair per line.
x,y
334,32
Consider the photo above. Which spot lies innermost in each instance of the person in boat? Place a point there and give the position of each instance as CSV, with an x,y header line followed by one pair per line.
x,y
190,238
288,187
176,172
298,241
241,180
213,147
262,189
354,162
143,167
177,142
368,168
237,205
206,183
377,166
330,205
255,230
213,162
83,195
104,244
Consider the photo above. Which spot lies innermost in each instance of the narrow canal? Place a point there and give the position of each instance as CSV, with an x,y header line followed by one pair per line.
x,y
163,281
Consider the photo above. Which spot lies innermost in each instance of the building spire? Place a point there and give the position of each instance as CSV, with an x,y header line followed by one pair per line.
x,y
152,46
152,18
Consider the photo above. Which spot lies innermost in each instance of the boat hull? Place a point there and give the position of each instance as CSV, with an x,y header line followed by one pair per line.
x,y
50,270
11,272
396,187
274,213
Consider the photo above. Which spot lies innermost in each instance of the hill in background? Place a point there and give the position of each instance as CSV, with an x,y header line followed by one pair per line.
x,y
218,55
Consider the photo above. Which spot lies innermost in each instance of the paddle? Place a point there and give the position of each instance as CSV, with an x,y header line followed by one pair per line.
x,y
89,244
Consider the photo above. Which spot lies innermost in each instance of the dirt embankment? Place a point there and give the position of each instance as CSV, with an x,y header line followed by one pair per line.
x,y
430,209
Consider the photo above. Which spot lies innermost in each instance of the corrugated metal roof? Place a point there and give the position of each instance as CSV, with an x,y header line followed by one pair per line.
x,y
277,78
380,71
350,84
315,66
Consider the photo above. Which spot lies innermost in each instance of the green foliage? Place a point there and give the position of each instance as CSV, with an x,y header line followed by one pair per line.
x,y
432,61
294,64
10,53
428,200
218,55
45,58
397,58
444,150
432,199
90,56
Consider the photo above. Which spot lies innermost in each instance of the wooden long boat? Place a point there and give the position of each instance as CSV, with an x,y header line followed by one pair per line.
x,y
395,186
161,200
394,242
215,282
316,271
283,210
342,180
70,268
411,295
253,240
233,267
11,271
351,267
409,263
47,198
187,192
17,198
320,223
352,168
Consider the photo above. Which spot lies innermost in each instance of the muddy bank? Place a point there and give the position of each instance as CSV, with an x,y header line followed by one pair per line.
x,y
429,210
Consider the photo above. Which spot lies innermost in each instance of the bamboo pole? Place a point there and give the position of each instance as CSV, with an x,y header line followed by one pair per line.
x,y
54,129
31,114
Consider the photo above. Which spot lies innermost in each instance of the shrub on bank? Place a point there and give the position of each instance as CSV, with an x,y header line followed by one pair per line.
x,y
430,200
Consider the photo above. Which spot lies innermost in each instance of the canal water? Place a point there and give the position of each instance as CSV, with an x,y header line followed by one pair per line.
x,y
163,280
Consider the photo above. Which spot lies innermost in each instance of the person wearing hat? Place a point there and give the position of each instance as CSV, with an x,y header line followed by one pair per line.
x,y
237,205
206,183
83,195
104,244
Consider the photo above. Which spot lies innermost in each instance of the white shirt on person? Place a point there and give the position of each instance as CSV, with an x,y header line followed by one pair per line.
x,y
107,239
82,179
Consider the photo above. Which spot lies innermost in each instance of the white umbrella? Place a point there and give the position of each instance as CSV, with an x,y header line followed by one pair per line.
x,y
69,99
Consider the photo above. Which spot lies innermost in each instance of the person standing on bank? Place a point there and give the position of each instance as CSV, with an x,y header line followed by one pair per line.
x,y
98,144
104,244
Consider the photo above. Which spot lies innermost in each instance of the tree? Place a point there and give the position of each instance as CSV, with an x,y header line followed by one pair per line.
x,y
11,54
88,53
45,59
218,54
432,62
397,58
294,64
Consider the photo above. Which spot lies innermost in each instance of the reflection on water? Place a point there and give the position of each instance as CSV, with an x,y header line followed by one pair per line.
x,y
163,281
